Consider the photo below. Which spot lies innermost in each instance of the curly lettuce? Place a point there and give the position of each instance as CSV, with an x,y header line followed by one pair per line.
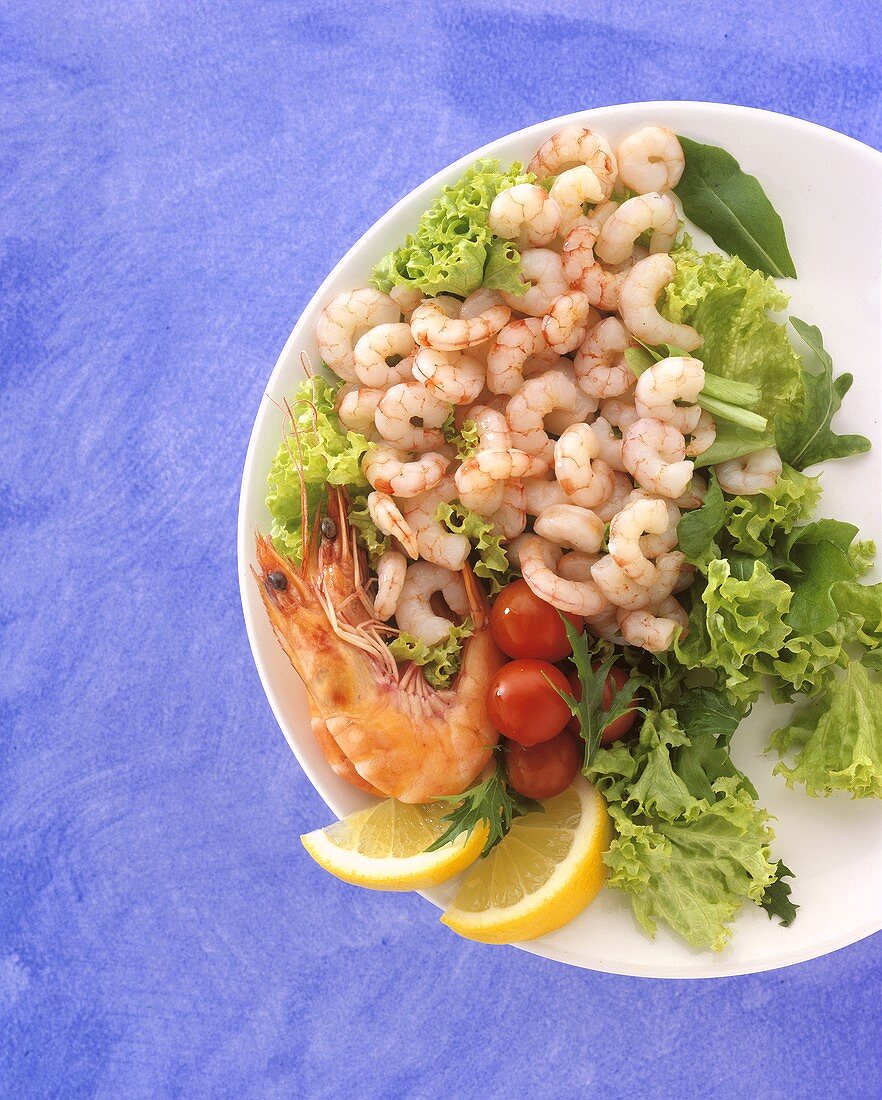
x,y
755,522
836,742
492,560
453,250
368,534
317,451
440,662
690,845
463,438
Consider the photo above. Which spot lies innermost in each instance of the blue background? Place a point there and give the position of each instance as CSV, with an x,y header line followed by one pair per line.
x,y
177,178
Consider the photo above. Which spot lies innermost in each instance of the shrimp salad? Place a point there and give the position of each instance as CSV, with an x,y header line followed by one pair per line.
x,y
542,510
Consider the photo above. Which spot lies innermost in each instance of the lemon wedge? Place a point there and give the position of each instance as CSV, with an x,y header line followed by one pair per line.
x,y
544,873
384,847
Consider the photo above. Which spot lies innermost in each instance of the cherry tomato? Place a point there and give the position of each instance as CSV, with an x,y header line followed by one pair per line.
x,y
522,625
623,723
523,705
542,771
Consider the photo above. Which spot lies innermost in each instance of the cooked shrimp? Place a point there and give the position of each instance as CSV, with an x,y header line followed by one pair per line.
x,y
407,298
654,455
344,319
538,560
584,272
453,376
541,493
387,516
601,368
654,629
391,570
415,614
661,386
480,480
653,212
525,213
513,346
623,486
435,325
576,145
601,213
621,590
586,480
702,436
650,160
357,409
640,517
571,526
558,420
571,190
653,545
389,470
565,325
638,295
543,271
405,403
693,495
750,473
433,541
577,567
510,518
385,730
620,411
491,427
536,398
383,356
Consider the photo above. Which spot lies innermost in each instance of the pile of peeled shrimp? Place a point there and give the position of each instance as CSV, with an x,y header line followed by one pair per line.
x,y
569,439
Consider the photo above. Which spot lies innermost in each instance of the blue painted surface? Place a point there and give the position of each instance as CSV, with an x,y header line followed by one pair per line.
x,y
176,180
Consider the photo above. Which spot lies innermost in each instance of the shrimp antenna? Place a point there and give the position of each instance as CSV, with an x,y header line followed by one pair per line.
x,y
475,595
304,502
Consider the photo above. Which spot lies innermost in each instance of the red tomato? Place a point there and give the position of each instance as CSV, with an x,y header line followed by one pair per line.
x,y
623,723
522,625
523,705
545,770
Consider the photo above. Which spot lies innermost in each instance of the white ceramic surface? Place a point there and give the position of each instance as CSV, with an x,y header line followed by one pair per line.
x,y
827,189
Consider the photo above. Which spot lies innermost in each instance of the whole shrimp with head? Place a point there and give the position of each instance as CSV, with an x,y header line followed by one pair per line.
x,y
382,728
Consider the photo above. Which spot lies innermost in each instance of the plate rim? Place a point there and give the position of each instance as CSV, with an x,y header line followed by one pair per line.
x,y
244,533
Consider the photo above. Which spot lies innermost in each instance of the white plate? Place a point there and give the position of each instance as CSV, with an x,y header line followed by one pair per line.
x,y
826,188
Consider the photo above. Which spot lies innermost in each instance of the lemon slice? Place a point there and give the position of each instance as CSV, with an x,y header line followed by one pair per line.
x,y
384,847
544,873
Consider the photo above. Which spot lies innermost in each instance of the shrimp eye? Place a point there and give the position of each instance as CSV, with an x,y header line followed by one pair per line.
x,y
278,580
328,528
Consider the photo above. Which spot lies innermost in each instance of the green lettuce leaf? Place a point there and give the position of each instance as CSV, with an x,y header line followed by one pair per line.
x,y
754,522
809,438
492,564
440,662
733,624
465,439
694,874
837,740
326,453
698,274
453,250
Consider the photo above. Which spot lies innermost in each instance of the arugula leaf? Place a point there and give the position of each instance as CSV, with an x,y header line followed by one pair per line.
x,y
492,802
440,662
817,556
776,897
453,250
593,715
809,438
837,739
492,564
698,529
732,207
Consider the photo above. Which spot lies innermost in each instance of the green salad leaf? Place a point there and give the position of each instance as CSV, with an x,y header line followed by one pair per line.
x,y
465,438
493,802
755,521
367,532
453,250
690,843
837,740
732,207
776,899
325,452
809,438
698,529
492,559
440,662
